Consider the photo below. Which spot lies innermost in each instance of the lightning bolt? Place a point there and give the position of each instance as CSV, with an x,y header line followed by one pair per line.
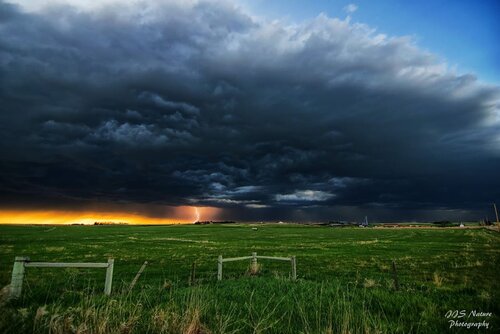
x,y
197,214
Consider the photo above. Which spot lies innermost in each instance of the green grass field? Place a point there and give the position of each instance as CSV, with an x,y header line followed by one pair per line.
x,y
345,280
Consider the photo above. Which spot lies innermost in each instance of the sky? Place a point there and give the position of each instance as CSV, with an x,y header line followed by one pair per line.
x,y
463,33
178,111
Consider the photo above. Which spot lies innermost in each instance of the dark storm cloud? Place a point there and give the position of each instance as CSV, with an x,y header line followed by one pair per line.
x,y
204,104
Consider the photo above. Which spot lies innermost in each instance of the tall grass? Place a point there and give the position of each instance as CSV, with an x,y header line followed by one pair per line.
x,y
248,305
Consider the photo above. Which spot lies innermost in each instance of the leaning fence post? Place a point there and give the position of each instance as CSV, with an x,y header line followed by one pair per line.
x,y
294,268
16,283
109,277
219,268
134,281
254,268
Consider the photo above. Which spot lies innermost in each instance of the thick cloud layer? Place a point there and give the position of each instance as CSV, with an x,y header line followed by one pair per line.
x,y
200,103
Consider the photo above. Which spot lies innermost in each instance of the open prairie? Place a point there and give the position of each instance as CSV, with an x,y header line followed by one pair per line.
x,y
345,279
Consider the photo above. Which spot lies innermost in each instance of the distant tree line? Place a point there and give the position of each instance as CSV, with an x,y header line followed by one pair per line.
x,y
214,222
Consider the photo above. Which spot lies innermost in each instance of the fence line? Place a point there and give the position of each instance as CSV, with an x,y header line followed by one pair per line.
x,y
23,262
65,265
237,258
254,258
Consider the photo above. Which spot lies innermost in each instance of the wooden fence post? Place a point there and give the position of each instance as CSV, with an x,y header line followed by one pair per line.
x,y
294,268
219,268
16,283
254,268
395,276
109,277
192,277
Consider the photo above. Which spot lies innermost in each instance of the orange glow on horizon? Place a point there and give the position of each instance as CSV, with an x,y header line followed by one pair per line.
x,y
183,215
